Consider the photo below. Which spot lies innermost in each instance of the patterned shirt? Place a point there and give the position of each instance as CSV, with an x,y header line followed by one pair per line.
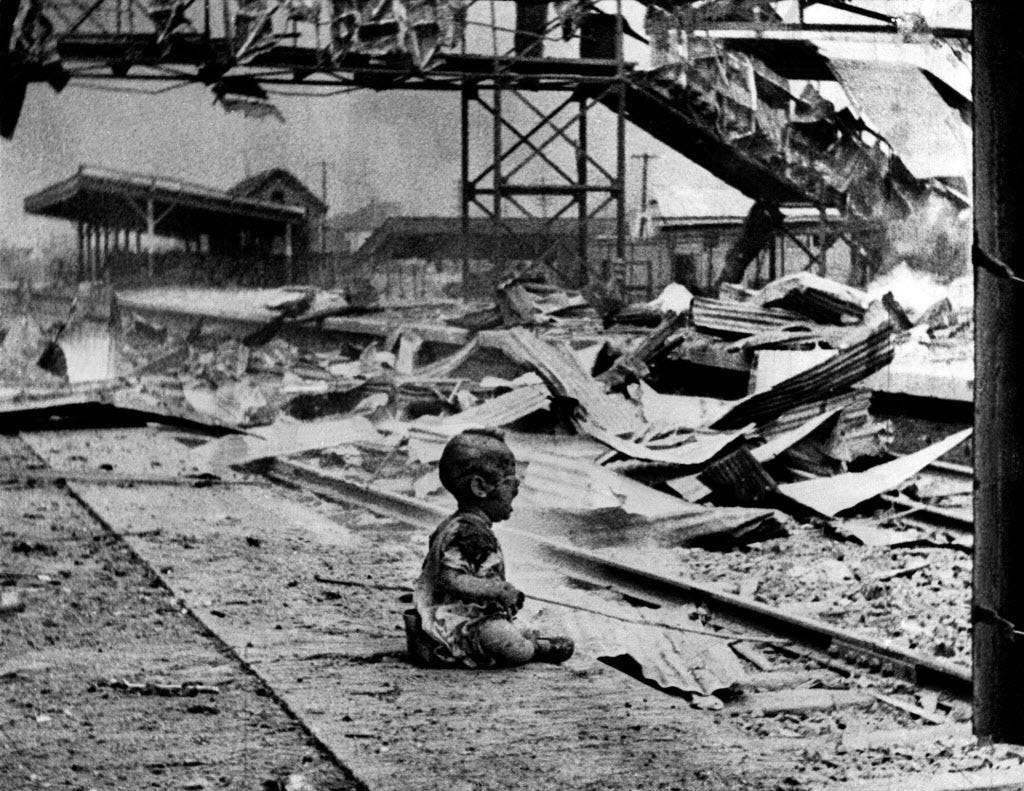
x,y
464,543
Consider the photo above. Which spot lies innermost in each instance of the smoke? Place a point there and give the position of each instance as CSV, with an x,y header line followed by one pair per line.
x,y
934,237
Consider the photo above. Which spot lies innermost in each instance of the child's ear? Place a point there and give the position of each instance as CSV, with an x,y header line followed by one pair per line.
x,y
480,488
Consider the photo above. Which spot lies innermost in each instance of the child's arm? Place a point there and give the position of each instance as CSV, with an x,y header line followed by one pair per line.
x,y
481,589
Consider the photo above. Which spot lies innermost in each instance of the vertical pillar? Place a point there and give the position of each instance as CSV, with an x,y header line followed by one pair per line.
x,y
498,256
97,241
288,251
105,263
323,197
464,190
581,197
998,598
86,250
81,251
150,236
620,133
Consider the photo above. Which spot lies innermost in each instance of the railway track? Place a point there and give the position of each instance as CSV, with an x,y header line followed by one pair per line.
x,y
835,698
825,642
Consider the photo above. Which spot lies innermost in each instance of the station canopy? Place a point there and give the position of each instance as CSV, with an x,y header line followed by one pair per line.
x,y
119,199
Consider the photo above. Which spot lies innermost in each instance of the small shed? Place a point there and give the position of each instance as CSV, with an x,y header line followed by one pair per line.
x,y
134,224
278,185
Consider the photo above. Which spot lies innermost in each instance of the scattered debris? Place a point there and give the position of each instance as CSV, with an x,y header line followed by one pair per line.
x,y
284,438
11,602
830,496
186,689
910,708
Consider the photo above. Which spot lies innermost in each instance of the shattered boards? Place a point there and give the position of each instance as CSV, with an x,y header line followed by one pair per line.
x,y
501,410
690,449
850,366
830,496
607,507
283,439
667,411
17,400
815,297
559,368
741,318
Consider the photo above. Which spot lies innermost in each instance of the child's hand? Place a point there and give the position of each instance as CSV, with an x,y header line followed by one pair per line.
x,y
511,597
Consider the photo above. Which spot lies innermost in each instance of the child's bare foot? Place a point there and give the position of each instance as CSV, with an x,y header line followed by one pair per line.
x,y
552,649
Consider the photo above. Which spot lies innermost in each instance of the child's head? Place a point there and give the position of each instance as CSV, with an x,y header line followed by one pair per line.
x,y
480,470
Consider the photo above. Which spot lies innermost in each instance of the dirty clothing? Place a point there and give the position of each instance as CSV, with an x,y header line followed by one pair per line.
x,y
465,544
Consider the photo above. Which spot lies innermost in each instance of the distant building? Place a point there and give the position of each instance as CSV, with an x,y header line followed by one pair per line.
x,y
136,227
685,235
418,257
278,185
346,233
698,246
692,251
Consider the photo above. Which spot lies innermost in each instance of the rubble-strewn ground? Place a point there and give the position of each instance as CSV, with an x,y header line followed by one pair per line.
x,y
243,555
250,576
926,609
94,614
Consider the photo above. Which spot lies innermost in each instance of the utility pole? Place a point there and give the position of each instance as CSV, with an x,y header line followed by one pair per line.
x,y
997,612
646,159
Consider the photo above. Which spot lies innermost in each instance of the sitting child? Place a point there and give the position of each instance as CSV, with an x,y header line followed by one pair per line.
x,y
464,608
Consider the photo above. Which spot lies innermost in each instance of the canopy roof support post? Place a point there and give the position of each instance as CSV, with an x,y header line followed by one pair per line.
x,y
81,251
289,274
150,236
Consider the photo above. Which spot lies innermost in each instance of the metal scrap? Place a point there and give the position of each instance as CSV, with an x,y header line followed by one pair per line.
x,y
743,318
850,366
283,439
830,496
815,297
501,410
560,369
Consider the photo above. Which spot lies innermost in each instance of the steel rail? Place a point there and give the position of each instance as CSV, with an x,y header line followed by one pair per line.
x,y
816,634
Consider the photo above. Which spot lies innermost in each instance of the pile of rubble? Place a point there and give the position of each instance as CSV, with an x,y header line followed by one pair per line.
x,y
619,427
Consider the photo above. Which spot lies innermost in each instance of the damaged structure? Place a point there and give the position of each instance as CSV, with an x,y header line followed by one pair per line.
x,y
712,503
263,231
741,104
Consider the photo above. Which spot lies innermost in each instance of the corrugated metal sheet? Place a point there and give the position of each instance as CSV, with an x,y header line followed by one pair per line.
x,y
738,478
787,439
815,297
667,411
927,134
829,496
854,406
848,367
502,410
743,318
680,662
855,434
691,449
14,399
559,368
283,439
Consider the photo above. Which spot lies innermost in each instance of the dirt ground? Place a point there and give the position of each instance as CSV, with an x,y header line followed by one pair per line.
x,y
94,616
244,557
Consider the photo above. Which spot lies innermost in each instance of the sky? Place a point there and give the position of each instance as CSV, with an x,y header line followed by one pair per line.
x,y
400,146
